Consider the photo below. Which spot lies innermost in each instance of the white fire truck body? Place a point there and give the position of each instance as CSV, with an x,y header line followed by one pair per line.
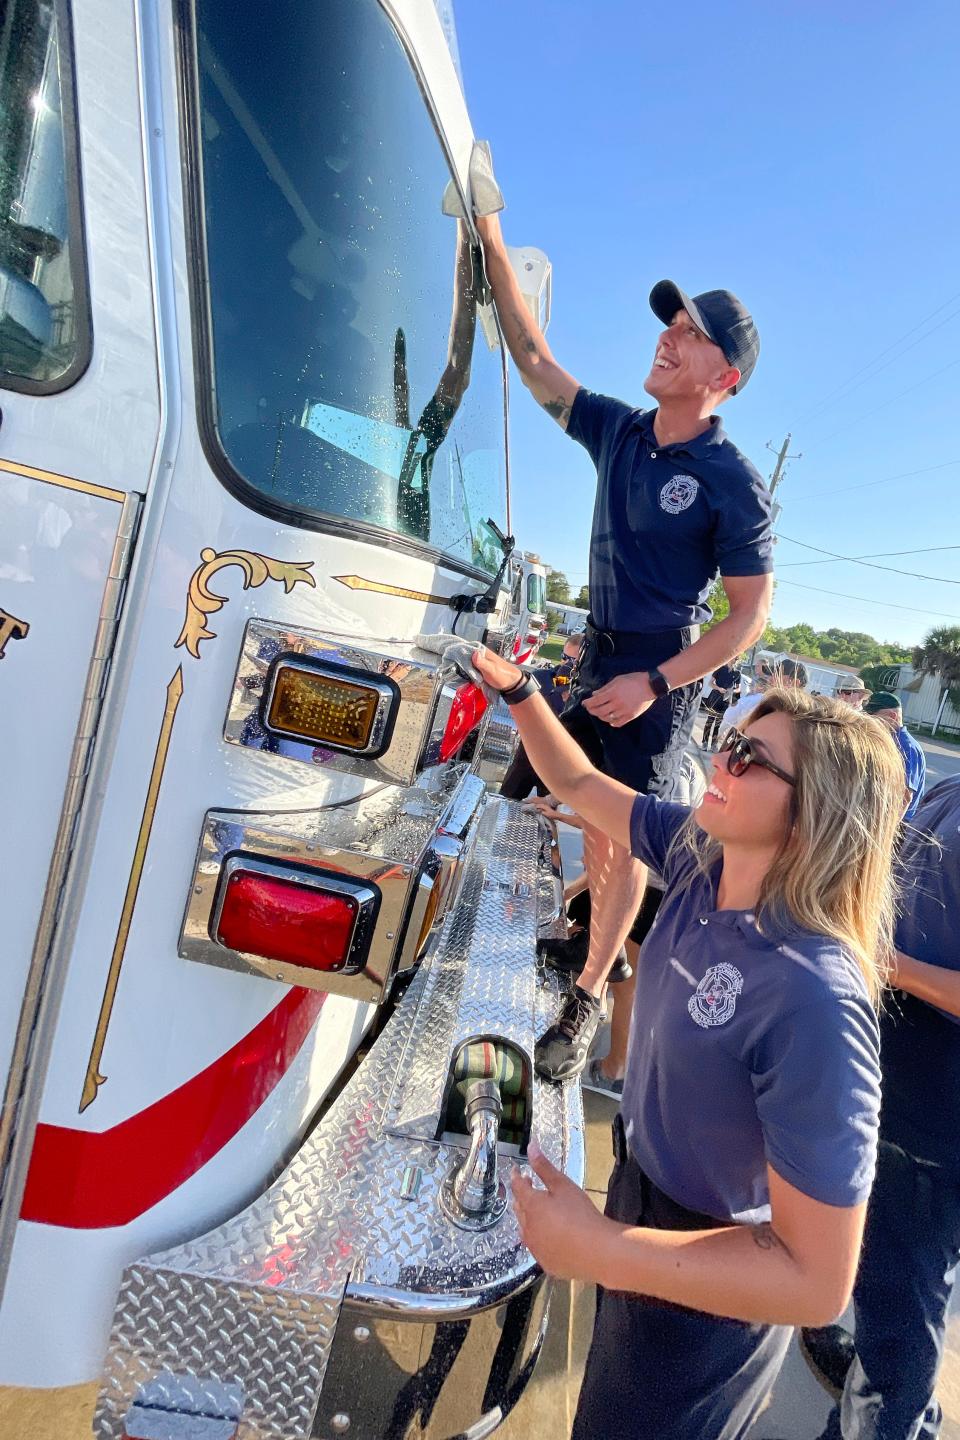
x,y
252,470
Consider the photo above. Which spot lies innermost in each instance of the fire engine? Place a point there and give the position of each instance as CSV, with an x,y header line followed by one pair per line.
x,y
270,994
530,604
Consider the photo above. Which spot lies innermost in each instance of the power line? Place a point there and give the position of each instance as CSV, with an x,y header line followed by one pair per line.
x,y
847,384
888,604
887,480
854,560
870,555
885,404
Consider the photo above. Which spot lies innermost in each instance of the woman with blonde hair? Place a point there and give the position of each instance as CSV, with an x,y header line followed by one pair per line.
x,y
746,1141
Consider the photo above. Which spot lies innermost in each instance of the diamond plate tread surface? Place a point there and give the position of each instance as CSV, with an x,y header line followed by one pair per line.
x,y
254,1303
500,736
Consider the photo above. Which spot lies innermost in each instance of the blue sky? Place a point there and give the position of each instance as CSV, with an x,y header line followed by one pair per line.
x,y
804,155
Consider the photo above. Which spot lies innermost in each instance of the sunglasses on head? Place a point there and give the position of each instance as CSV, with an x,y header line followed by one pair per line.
x,y
741,754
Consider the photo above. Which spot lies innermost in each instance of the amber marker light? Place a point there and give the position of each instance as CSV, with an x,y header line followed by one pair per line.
x,y
344,710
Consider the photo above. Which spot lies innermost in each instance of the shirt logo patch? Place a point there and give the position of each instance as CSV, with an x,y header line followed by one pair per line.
x,y
716,996
678,494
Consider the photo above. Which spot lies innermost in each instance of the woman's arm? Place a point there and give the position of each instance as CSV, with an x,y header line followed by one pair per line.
x,y
932,983
558,760
797,1270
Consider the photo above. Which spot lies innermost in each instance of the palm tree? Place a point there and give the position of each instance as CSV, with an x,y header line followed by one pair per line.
x,y
939,655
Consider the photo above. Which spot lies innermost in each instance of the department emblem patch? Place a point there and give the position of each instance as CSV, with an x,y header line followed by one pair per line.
x,y
678,494
715,999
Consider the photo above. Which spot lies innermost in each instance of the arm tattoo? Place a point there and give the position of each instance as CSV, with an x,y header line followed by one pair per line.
x,y
524,338
558,409
765,1237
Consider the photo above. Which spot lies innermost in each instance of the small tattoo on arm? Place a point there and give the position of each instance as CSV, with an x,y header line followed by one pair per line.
x,y
524,338
558,409
765,1237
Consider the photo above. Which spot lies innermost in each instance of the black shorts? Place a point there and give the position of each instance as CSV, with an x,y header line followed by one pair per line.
x,y
580,909
643,753
658,1370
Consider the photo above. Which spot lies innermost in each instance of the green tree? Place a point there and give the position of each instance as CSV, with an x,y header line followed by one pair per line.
x,y
940,655
558,587
582,601
719,604
880,676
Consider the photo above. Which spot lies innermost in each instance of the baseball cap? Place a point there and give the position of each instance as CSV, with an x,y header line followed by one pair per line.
x,y
722,318
881,700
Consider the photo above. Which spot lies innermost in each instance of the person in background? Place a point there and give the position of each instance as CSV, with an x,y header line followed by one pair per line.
x,y
788,674
853,692
746,1138
886,707
885,1375
723,683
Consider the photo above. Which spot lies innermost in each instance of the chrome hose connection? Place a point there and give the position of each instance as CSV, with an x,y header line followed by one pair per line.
x,y
472,1195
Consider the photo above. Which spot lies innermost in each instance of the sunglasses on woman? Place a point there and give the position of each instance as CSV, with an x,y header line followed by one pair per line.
x,y
741,754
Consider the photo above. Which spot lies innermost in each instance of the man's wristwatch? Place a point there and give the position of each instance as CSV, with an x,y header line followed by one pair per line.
x,y
524,688
659,683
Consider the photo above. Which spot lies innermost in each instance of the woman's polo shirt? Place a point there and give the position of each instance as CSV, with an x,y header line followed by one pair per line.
x,y
746,1048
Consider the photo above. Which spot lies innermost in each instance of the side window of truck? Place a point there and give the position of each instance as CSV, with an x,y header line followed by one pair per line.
x,y
44,314
343,372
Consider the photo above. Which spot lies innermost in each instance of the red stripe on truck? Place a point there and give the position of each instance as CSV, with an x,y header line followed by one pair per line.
x,y
88,1179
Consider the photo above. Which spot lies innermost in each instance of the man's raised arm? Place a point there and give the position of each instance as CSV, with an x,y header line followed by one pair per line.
x,y
549,383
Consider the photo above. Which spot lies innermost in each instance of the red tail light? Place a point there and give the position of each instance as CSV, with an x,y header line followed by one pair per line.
x,y
466,712
294,917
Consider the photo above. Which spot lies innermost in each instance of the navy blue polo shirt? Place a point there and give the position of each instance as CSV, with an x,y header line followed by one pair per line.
x,y
666,520
746,1048
920,1043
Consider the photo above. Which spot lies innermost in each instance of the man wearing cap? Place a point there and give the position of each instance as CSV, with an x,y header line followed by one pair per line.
x,y
853,691
676,502
886,707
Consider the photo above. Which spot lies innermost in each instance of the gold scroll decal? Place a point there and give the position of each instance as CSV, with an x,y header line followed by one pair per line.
x,y
94,1079
202,602
359,582
11,629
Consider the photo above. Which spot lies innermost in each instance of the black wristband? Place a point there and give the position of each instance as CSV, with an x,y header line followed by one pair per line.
x,y
525,687
659,683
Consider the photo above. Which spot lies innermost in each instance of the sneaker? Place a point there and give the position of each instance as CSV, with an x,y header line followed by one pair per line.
x,y
569,956
594,1079
562,1051
829,1352
560,945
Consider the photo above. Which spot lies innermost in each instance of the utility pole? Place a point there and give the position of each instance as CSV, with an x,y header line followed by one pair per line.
x,y
783,456
778,470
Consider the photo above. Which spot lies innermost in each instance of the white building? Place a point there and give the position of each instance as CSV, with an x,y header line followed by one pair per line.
x,y
823,677
924,702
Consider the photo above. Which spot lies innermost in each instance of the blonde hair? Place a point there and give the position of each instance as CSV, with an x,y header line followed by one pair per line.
x,y
834,872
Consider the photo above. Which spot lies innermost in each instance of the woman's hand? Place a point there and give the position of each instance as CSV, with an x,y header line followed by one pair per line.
x,y
548,809
561,1226
499,674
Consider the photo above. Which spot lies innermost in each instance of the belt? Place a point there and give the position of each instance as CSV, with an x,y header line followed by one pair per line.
x,y
629,642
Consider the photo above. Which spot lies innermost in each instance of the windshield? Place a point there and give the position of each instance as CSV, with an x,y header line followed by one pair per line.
x,y
536,594
44,340
350,376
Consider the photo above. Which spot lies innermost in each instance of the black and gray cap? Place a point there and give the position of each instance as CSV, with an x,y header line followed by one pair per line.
x,y
721,317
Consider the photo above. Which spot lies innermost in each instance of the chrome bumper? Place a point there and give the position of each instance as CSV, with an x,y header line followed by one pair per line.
x,y
497,747
343,1300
